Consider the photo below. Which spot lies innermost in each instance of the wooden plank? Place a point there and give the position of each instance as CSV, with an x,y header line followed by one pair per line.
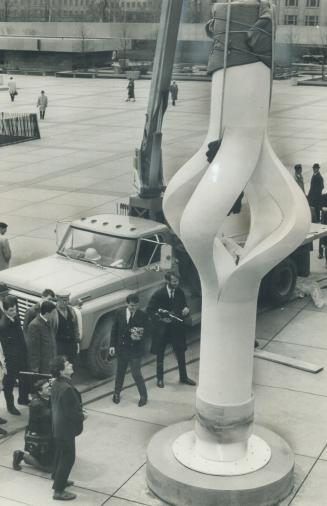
x,y
289,361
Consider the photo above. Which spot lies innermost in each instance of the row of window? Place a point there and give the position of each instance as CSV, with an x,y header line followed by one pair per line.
x,y
290,19
309,3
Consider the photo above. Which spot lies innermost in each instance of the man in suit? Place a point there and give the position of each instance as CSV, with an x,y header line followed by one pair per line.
x,y
5,251
67,335
15,353
34,311
67,423
316,187
40,339
127,338
167,309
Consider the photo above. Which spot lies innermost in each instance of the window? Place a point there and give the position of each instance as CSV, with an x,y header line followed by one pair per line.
x,y
149,250
313,3
292,3
311,20
290,20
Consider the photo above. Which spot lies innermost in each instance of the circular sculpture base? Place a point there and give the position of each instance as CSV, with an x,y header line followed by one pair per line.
x,y
258,456
180,486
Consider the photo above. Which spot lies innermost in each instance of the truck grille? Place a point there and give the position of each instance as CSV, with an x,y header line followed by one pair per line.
x,y
24,302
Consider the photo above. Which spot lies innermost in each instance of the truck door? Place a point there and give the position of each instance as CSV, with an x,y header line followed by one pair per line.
x,y
149,277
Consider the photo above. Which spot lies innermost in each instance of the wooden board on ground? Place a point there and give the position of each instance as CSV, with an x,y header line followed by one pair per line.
x,y
289,361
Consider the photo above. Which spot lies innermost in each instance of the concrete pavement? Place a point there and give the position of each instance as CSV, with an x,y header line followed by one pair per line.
x,y
82,165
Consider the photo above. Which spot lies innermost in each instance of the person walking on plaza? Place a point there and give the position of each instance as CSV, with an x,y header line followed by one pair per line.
x,y
15,353
3,371
39,446
316,187
42,104
127,342
67,422
34,311
173,92
298,176
167,309
67,336
12,88
5,251
40,339
130,91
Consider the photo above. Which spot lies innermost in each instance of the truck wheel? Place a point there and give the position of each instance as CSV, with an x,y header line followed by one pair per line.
x,y
99,362
281,281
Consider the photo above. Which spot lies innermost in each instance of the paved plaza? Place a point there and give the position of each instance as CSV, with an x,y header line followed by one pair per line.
x,y
82,165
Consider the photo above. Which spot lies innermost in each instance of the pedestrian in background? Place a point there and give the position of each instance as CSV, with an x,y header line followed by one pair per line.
x,y
67,336
12,88
40,339
168,309
42,104
314,195
15,353
173,92
298,176
3,371
5,251
130,91
127,342
67,423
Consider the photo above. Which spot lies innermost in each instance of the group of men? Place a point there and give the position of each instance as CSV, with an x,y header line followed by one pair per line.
x,y
164,320
49,329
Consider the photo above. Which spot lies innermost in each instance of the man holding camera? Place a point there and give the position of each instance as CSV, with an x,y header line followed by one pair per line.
x,y
127,342
167,309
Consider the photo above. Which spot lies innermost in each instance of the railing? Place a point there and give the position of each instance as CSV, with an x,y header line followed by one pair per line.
x,y
18,128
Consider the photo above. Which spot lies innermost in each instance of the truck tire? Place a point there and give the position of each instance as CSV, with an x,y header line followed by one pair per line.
x,y
99,362
280,282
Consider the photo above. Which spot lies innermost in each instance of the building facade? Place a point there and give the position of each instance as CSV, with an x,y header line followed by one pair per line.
x,y
302,12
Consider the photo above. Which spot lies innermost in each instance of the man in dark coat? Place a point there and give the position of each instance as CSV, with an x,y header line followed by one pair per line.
x,y
14,349
34,311
316,187
40,339
67,335
130,91
67,422
127,338
173,92
39,448
167,309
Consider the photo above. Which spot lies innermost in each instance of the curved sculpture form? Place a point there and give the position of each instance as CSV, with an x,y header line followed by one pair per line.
x,y
196,204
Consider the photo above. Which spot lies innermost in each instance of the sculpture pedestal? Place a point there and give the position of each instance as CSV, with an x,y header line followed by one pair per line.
x,y
180,486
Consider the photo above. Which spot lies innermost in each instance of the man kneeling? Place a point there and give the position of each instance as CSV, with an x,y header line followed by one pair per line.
x,y
39,449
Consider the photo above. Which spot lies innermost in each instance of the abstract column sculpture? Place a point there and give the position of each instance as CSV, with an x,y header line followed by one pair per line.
x,y
225,459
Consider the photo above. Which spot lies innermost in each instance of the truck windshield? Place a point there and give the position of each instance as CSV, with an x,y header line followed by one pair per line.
x,y
100,249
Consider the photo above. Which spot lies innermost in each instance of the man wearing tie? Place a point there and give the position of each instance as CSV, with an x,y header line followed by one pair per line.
x,y
127,342
167,309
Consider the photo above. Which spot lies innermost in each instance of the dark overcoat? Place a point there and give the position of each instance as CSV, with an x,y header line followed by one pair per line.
x,y
173,332
121,333
13,344
316,187
41,345
66,408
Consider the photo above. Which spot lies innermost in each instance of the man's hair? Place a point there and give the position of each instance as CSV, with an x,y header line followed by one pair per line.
x,y
3,225
171,274
298,166
57,365
37,387
47,306
316,166
48,292
42,91
9,301
132,298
